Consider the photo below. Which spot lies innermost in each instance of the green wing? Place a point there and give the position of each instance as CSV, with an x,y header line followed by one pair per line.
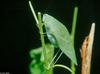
x,y
62,36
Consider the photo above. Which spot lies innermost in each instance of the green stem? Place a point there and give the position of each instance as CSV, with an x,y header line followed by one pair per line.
x,y
73,32
74,23
42,35
63,66
47,71
33,12
40,26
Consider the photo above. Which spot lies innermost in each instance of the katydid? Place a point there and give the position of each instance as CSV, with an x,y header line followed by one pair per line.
x,y
62,39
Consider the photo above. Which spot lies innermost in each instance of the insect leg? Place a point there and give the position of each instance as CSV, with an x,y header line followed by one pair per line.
x,y
58,57
54,57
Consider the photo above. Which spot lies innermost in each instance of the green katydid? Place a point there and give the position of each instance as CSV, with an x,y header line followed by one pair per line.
x,y
62,39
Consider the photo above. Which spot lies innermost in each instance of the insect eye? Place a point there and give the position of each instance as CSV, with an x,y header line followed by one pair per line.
x,y
47,28
52,39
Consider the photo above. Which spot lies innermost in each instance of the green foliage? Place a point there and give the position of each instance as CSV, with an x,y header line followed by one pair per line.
x,y
37,64
61,34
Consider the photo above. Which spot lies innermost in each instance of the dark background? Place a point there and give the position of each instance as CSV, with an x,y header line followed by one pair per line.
x,y
18,33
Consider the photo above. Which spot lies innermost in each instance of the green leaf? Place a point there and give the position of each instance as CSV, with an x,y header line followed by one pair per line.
x,y
61,34
37,64
37,68
34,53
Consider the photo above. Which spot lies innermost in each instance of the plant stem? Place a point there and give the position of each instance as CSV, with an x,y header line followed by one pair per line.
x,y
33,12
40,26
63,66
73,33
46,62
41,35
74,23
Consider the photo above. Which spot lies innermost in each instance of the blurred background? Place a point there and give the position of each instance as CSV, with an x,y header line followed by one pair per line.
x,y
19,34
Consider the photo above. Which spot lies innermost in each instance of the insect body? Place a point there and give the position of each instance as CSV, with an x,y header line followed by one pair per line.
x,y
62,37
